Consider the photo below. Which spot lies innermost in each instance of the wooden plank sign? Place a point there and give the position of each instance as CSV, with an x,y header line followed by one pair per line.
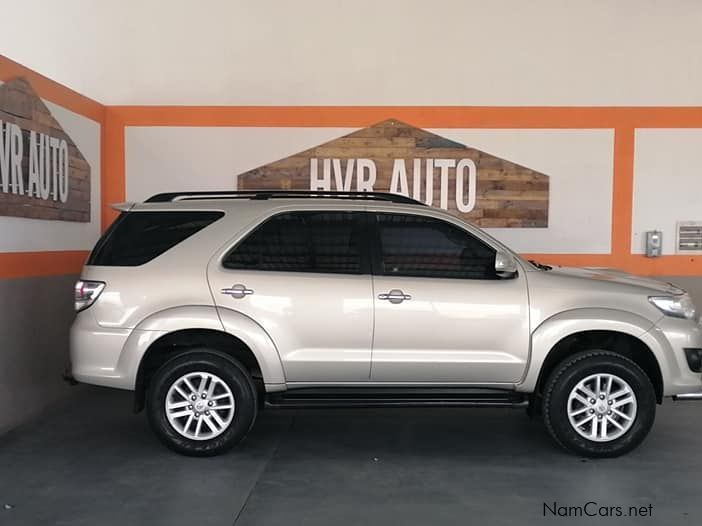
x,y
43,175
392,156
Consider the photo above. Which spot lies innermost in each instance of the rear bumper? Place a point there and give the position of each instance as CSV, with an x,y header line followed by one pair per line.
x,y
96,351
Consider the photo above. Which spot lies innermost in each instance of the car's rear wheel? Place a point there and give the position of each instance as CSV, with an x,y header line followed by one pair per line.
x,y
599,404
201,403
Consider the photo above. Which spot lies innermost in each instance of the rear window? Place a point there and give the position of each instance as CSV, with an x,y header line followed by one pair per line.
x,y
136,238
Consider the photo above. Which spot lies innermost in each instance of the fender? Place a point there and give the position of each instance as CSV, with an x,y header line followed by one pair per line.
x,y
260,343
174,319
554,329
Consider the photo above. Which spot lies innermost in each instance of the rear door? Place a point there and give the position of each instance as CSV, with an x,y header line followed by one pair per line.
x,y
442,314
305,278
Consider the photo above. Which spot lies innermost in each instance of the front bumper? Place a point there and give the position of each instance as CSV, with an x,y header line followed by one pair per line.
x,y
673,336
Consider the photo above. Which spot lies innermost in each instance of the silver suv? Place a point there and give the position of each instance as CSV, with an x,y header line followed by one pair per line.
x,y
211,305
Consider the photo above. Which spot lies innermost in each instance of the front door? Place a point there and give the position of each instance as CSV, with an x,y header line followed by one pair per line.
x,y
442,315
304,278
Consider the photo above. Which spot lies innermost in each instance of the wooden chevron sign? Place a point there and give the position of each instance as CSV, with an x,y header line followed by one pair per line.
x,y
43,175
392,156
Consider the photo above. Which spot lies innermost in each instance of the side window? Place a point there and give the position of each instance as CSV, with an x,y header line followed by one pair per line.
x,y
327,242
426,247
136,238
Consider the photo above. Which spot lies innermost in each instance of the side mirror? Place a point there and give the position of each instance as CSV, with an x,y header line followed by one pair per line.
x,y
505,265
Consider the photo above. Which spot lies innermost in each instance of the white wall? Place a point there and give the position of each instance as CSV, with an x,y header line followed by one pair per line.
x,y
578,163
463,52
667,184
174,159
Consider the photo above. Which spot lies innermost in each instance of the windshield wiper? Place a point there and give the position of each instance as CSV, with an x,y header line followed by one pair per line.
x,y
540,265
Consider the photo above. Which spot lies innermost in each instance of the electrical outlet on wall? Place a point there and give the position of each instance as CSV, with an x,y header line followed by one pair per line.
x,y
654,243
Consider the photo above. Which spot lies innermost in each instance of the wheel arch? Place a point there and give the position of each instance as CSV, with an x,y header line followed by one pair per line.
x,y
180,342
607,329
617,342
171,332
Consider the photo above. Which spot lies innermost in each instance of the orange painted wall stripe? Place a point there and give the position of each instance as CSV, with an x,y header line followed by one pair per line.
x,y
572,260
672,265
113,169
29,264
421,116
622,192
52,91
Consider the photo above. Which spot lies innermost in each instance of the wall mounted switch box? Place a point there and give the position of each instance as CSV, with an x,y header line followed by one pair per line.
x,y
654,242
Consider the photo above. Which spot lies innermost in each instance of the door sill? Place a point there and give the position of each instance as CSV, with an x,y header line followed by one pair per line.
x,y
340,397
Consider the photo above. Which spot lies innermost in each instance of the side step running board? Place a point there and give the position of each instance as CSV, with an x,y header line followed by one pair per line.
x,y
688,396
394,397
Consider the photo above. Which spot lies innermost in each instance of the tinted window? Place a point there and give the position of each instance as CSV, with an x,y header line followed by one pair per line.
x,y
302,242
426,247
138,237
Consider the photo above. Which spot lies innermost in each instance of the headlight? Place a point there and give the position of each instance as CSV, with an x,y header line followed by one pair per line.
x,y
676,306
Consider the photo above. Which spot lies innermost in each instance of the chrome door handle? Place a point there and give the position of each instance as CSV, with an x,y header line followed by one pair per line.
x,y
237,291
395,296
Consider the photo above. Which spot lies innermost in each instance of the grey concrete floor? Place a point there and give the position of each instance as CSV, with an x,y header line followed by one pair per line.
x,y
91,462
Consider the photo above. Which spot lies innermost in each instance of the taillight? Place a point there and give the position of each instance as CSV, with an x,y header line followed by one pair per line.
x,y
86,292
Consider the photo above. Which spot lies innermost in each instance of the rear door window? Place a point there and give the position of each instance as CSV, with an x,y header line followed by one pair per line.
x,y
136,238
323,242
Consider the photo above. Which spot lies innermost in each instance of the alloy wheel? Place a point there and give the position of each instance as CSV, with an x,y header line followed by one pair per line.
x,y
200,405
602,407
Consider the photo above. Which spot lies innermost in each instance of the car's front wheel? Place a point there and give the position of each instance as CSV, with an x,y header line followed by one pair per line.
x,y
599,404
201,403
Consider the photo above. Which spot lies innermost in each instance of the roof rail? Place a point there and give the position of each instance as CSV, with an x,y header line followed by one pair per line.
x,y
279,194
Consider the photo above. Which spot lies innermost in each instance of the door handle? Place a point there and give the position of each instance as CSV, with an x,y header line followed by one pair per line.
x,y
395,296
237,291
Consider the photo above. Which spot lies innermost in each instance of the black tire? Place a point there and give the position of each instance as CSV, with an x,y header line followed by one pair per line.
x,y
232,373
533,410
578,367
